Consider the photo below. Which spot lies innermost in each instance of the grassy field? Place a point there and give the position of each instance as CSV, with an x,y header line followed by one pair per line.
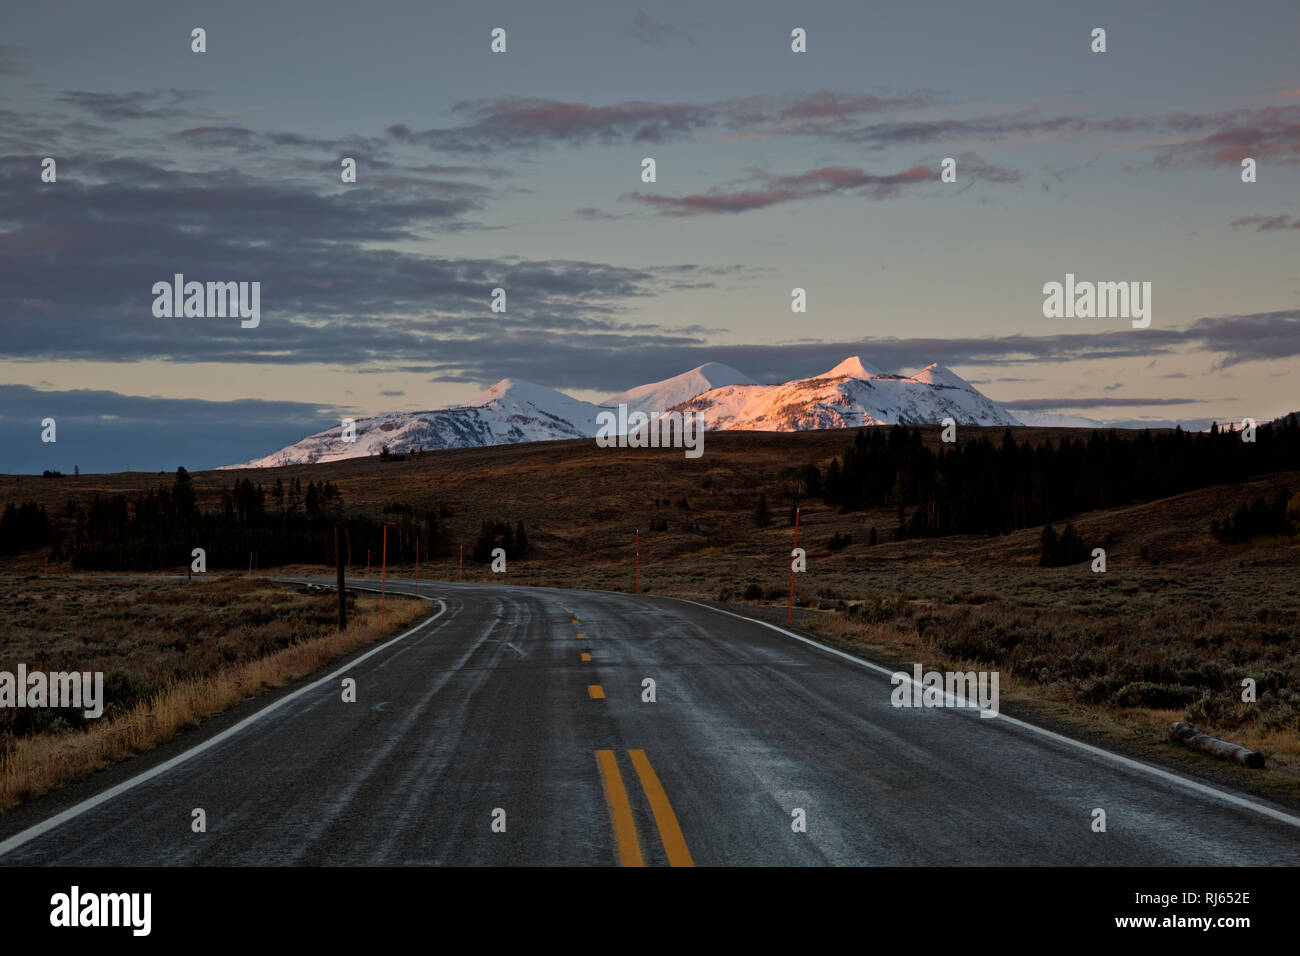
x,y
172,653
1120,655
1168,632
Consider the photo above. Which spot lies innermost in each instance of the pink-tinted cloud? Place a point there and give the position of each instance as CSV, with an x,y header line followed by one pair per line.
x,y
715,201
517,121
1272,132
825,105
1223,138
834,178
1267,223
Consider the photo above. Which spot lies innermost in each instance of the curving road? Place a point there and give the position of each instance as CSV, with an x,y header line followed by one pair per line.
x,y
530,701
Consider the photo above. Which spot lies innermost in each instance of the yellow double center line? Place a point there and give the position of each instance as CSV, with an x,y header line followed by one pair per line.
x,y
670,832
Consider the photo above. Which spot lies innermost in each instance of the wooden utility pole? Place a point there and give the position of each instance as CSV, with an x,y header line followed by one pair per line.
x,y
383,576
417,565
343,595
638,560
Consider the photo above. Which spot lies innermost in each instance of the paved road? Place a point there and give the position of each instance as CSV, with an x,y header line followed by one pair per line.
x,y
495,706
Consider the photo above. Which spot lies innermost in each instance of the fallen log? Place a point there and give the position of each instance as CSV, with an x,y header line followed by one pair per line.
x,y
1188,735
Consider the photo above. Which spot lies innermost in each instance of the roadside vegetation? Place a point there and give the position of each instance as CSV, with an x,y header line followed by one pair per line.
x,y
172,652
1145,647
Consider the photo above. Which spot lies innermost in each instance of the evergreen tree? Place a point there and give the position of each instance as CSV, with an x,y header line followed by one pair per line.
x,y
183,499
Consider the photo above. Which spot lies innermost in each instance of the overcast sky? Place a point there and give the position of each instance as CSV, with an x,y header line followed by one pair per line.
x,y
523,170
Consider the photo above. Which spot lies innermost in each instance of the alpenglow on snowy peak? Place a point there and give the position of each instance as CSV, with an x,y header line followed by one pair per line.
x,y
853,367
851,394
661,396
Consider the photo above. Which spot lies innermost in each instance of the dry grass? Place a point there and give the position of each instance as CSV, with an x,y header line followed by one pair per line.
x,y
35,763
1118,658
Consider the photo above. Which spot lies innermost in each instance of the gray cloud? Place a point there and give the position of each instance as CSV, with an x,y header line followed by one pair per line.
x,y
81,262
655,32
1271,131
973,168
155,104
594,214
1216,138
516,122
108,431
1039,404
1248,338
773,190
244,140
612,360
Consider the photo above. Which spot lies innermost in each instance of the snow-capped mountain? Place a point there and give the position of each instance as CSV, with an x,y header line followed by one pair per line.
x,y
525,406
658,396
853,367
851,394
1057,420
507,413
848,396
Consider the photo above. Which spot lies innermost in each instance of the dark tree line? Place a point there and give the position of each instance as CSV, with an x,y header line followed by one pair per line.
x,y
1063,549
160,528
23,527
986,487
1259,517
499,534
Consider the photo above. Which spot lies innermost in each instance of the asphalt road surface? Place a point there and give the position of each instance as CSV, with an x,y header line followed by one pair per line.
x,y
512,730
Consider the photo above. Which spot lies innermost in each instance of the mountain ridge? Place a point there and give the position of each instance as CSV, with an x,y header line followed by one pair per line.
x,y
852,394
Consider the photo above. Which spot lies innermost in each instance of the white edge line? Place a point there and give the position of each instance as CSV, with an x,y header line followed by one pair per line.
x,y
77,810
1182,781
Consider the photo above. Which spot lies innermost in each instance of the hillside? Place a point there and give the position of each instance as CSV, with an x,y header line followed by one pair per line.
x,y
582,506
